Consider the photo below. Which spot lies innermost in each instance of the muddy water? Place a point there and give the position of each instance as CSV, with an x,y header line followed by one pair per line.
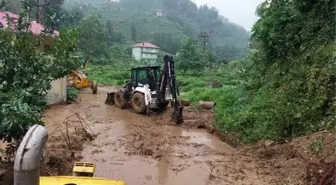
x,y
145,150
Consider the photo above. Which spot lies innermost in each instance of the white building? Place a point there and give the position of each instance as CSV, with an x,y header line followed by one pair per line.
x,y
145,51
112,1
159,12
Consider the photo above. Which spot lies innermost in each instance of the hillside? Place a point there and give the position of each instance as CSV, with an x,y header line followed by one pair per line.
x,y
180,18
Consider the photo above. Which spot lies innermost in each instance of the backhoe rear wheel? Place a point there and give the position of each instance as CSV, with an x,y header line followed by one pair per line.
x,y
94,87
119,100
138,103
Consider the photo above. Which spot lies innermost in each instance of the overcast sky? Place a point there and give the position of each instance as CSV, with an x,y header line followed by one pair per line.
x,y
241,12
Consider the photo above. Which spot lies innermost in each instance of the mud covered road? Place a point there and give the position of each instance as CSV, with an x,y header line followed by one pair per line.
x,y
152,151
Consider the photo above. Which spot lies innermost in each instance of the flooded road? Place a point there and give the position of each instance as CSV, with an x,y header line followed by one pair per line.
x,y
147,150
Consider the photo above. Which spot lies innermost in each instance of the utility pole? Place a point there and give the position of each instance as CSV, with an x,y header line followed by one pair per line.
x,y
205,36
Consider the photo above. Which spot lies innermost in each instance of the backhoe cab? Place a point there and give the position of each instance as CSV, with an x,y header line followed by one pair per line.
x,y
150,89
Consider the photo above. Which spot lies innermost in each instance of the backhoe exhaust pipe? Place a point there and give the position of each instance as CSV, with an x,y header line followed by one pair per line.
x,y
28,156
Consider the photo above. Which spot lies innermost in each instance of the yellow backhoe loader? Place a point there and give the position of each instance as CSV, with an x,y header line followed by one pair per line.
x,y
79,80
27,164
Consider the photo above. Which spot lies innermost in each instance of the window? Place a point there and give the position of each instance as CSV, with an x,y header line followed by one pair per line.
x,y
142,76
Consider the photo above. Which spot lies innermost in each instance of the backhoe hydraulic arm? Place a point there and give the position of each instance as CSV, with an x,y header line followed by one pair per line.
x,y
168,76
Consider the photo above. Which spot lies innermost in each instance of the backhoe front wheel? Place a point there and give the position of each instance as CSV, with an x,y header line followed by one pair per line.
x,y
119,100
94,87
138,103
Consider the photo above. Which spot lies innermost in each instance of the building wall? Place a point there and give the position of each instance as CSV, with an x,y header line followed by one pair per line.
x,y
150,54
58,92
150,50
136,53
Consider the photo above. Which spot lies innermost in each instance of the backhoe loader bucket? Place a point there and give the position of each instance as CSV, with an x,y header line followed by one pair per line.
x,y
110,98
178,115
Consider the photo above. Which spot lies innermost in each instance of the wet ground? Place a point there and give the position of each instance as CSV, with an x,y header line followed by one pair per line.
x,y
150,150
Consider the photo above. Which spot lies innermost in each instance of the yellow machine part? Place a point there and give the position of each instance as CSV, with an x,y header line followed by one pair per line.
x,y
84,167
63,180
82,175
79,80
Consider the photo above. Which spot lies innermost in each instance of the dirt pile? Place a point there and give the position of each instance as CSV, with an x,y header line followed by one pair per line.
x,y
65,141
297,162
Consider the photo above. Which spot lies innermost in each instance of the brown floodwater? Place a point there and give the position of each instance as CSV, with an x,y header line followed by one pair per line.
x,y
146,150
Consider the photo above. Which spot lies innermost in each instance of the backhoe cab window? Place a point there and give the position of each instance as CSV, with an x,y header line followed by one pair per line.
x,y
145,76
142,77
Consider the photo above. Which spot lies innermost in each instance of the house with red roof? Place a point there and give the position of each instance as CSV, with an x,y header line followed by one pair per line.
x,y
58,92
145,51
34,27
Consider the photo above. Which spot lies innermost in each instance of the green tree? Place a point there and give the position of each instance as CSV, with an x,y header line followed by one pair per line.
x,y
71,17
133,33
26,73
210,60
93,37
119,53
166,41
12,5
189,56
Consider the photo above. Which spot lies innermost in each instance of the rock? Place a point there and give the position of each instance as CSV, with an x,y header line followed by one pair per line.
x,y
207,105
185,102
268,143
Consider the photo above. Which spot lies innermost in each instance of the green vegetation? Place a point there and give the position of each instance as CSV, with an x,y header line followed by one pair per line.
x,y
283,88
72,94
288,80
26,73
109,75
127,22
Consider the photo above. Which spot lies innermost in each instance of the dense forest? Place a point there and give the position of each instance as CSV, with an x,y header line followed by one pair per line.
x,y
180,18
127,22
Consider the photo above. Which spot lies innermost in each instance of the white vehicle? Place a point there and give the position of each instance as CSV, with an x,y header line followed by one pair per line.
x,y
150,89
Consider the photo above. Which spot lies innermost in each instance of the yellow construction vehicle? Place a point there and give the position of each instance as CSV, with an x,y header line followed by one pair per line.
x,y
79,80
27,164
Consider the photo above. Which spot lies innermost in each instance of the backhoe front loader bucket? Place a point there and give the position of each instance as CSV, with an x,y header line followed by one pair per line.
x,y
110,98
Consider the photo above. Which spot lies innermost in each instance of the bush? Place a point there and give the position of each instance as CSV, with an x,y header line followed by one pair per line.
x,y
72,94
108,74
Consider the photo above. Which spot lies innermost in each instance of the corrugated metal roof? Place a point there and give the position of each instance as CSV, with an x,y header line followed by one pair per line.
x,y
145,45
35,27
